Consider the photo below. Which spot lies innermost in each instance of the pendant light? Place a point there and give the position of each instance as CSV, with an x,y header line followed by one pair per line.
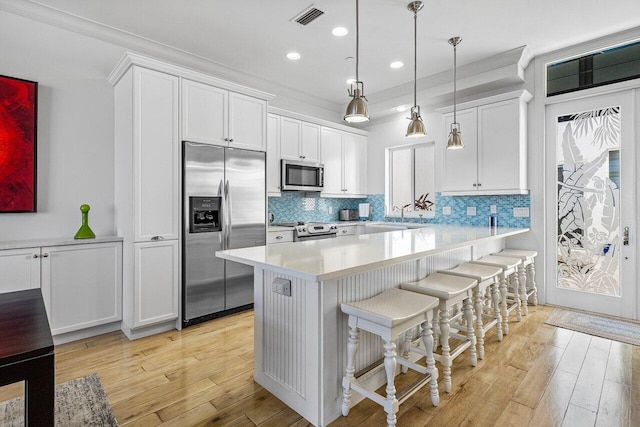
x,y
357,110
455,138
416,125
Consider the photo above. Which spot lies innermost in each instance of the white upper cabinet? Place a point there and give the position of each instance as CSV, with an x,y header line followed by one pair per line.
x,y
216,116
461,166
156,155
290,137
502,161
204,113
332,160
299,140
354,164
344,156
247,122
493,160
310,142
273,155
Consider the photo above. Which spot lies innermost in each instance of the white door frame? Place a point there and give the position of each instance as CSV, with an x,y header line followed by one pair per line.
x,y
629,99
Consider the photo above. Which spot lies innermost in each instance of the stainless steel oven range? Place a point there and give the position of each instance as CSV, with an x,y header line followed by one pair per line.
x,y
311,230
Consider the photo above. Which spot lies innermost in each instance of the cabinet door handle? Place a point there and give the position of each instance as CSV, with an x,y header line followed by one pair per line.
x,y
231,140
45,255
226,139
155,238
475,185
625,236
36,256
479,185
278,237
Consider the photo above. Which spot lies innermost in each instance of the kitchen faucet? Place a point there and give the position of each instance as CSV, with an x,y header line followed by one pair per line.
x,y
395,208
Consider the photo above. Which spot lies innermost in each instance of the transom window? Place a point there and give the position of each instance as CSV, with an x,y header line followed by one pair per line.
x,y
600,68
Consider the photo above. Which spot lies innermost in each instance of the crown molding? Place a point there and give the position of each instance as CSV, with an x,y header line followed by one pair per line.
x,y
129,59
501,71
317,121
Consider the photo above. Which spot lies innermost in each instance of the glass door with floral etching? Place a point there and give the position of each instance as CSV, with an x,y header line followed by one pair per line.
x,y
594,199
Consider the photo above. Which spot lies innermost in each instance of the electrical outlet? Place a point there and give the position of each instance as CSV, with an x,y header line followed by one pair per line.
x,y
446,210
471,210
281,286
494,209
330,210
521,212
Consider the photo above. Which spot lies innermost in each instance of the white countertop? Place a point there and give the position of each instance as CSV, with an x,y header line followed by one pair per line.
x,y
277,228
62,241
318,260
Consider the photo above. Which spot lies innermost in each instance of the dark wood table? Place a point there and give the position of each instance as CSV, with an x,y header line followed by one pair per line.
x,y
26,353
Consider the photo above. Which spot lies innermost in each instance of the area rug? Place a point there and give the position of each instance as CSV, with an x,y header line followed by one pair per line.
x,y
79,403
616,329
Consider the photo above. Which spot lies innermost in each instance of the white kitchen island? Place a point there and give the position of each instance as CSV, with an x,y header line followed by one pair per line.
x,y
299,340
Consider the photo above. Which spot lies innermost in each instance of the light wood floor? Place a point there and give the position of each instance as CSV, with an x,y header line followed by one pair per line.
x,y
539,375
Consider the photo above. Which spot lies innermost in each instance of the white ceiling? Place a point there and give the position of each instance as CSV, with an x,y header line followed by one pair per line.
x,y
253,36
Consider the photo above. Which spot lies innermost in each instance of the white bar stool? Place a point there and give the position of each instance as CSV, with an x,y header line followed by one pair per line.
x,y
526,274
390,315
509,267
450,290
486,276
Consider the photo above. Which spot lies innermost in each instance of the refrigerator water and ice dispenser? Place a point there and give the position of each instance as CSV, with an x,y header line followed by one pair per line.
x,y
205,214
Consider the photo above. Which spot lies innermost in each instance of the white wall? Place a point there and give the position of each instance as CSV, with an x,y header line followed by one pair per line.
x,y
75,126
76,121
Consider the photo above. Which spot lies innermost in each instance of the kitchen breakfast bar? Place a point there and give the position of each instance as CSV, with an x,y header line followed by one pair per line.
x,y
300,332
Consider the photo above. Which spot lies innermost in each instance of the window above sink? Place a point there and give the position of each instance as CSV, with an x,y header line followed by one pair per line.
x,y
410,181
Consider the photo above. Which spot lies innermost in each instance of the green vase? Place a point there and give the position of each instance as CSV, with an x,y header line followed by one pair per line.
x,y
85,231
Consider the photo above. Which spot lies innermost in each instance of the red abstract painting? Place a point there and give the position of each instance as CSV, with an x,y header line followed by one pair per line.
x,y
18,119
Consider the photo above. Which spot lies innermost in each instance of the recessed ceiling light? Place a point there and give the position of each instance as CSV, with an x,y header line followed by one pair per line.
x,y
339,31
294,56
401,108
351,81
396,64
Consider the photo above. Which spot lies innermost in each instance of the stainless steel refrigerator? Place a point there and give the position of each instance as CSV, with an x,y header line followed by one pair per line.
x,y
224,205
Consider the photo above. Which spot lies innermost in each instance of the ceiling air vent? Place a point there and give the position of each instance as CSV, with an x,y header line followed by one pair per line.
x,y
308,15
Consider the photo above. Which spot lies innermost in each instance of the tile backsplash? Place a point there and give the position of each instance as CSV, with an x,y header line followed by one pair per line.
x,y
294,206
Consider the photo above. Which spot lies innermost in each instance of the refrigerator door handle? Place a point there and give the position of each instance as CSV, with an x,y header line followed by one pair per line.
x,y
229,209
223,193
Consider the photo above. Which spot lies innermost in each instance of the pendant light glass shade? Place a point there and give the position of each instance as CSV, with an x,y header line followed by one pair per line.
x,y
455,137
416,125
357,110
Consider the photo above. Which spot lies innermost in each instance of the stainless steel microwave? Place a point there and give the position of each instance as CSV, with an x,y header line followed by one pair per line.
x,y
301,176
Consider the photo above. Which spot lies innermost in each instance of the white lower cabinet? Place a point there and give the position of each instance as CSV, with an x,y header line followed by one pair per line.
x,y
82,285
279,237
348,230
155,282
20,269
